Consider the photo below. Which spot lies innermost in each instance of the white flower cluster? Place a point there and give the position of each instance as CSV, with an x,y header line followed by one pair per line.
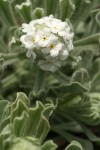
x,y
49,40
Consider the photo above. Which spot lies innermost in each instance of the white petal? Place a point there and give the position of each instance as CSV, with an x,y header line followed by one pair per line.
x,y
62,33
59,47
31,53
64,55
25,27
54,53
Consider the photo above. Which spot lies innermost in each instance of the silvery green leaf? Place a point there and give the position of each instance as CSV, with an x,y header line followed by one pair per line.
x,y
5,136
94,48
3,107
6,13
81,76
1,63
49,145
66,8
50,6
3,45
83,7
83,143
25,121
98,18
25,10
74,146
73,87
96,82
88,109
90,134
38,13
35,119
32,143
86,61
88,40
24,143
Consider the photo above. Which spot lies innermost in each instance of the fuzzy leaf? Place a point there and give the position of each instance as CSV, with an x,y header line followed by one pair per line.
x,y
3,106
74,146
25,10
38,13
50,6
6,13
74,88
88,40
81,76
66,8
85,144
30,121
49,145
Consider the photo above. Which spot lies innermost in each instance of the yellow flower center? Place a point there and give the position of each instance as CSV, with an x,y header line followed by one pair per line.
x,y
55,27
33,41
52,46
44,38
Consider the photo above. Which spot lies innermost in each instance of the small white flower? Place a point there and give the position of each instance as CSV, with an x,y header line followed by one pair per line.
x,y
70,46
64,54
28,40
25,28
43,37
49,40
55,48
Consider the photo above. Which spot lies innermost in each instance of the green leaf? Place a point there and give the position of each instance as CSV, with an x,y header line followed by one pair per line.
x,y
19,125
49,145
98,18
88,40
50,6
30,121
96,82
83,7
86,60
38,13
74,146
94,72
3,46
6,13
23,121
85,144
89,134
25,11
3,107
5,136
24,144
73,88
86,109
66,8
81,76
31,143
21,104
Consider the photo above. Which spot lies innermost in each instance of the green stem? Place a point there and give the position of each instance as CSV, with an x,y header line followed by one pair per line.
x,y
39,82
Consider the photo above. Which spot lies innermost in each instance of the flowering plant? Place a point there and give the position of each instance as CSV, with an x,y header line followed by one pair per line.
x,y
50,57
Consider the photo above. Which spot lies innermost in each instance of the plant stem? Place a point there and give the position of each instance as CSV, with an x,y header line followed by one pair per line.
x,y
39,82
